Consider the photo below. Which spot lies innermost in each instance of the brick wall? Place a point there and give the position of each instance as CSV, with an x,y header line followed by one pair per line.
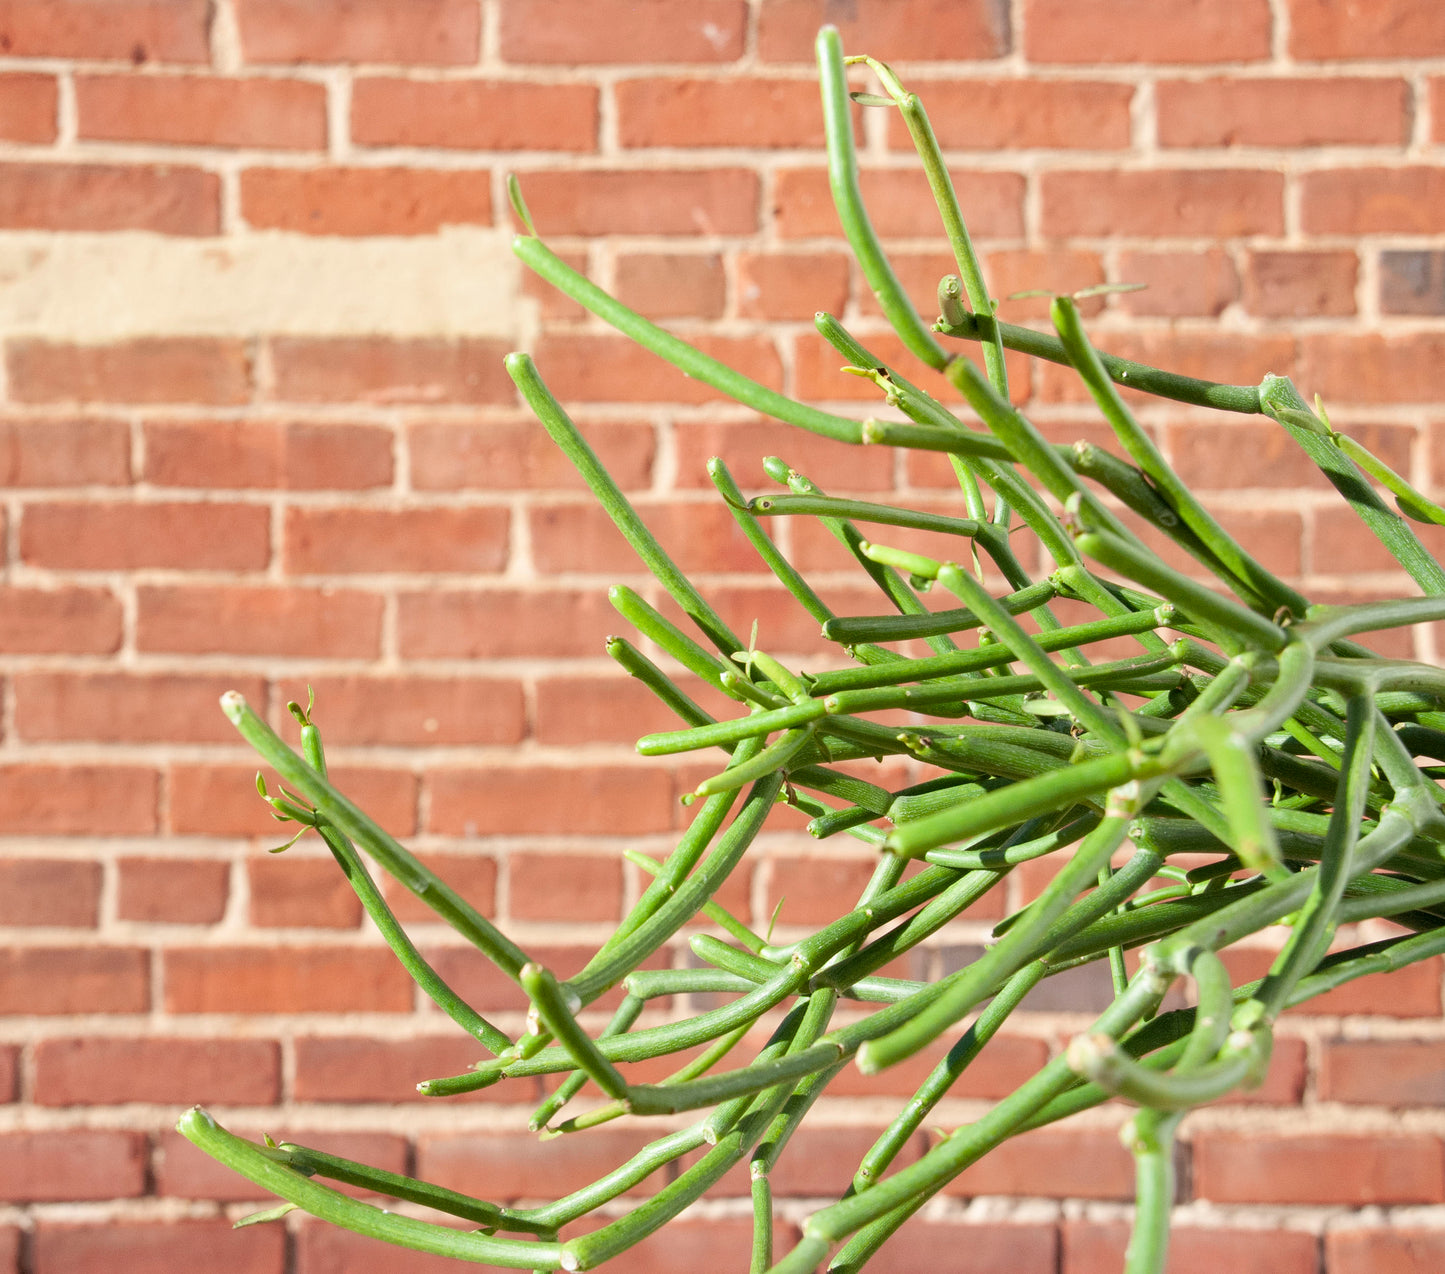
x,y
254,293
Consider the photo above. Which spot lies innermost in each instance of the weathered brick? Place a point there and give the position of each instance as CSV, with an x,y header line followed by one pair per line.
x,y
285,979
28,107
907,30
1365,1249
94,536
581,709
973,1248
577,887
72,1163
751,112
259,620
1407,200
265,454
1372,367
506,1165
111,1070
616,800
1293,112
1412,281
164,200
582,538
42,799
497,455
1135,31
1093,1247
1216,202
134,31
412,711
1325,1168
429,32
610,368
1338,29
221,800
359,1068
473,114
148,370
1081,1164
504,623
791,285
584,32
472,875
49,891
202,111
1033,114
159,1246
1383,1072
294,892
378,541
365,201
1288,284
64,452
1178,283
183,1170
899,202
190,891
59,620
672,285
678,201
379,370
63,980
742,444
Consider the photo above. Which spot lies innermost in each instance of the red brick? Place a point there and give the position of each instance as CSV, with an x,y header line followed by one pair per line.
x,y
1023,114
1081,1164
437,32
49,891
818,374
108,1071
1133,31
1205,453
134,31
1009,271
1178,283
294,892
365,201
1283,112
1339,1168
96,536
486,988
1091,1247
28,107
587,32
150,370
71,1163
972,1248
1383,1072
473,114
282,979
137,1246
1345,29
193,110
581,537
1214,203
1343,546
815,890
900,203
276,621
414,541
379,370
608,368
410,711
672,285
791,285
165,200
1300,284
718,1243
573,887
9,1092
1373,201
172,890
1412,281
686,201
607,708
77,800
504,623
506,1165
749,112
612,800
900,30
744,443
228,454
184,1170
64,980
491,455
1384,1250
328,1249
64,453
1371,367
59,620
471,875
357,1068
221,800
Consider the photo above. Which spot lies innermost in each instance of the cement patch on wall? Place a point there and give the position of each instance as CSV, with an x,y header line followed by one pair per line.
x,y
107,287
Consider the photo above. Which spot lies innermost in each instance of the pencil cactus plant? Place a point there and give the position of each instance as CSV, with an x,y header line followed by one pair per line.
x,y
1248,728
